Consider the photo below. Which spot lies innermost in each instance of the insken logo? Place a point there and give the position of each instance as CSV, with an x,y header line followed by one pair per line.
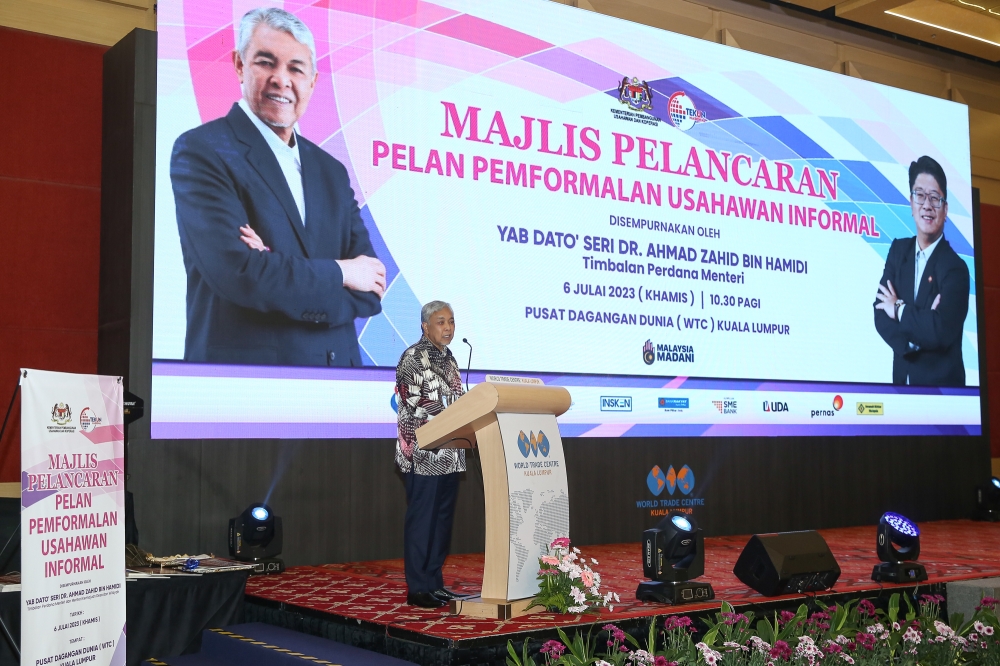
x,y
682,111
61,413
89,420
636,95
775,406
530,444
870,409
727,406
616,403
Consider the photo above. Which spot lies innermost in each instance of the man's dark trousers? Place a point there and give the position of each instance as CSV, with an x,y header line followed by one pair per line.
x,y
430,510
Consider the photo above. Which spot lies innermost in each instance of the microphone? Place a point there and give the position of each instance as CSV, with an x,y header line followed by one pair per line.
x,y
469,366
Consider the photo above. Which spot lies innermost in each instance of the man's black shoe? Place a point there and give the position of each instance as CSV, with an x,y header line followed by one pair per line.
x,y
446,595
424,600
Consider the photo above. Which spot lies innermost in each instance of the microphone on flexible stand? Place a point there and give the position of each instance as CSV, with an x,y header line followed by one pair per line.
x,y
469,366
474,450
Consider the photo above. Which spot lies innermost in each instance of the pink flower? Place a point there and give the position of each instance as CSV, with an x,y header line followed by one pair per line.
x,y
548,559
587,577
561,542
553,648
781,650
678,622
987,602
866,608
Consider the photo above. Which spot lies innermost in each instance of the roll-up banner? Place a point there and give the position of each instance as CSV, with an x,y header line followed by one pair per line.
x,y
72,519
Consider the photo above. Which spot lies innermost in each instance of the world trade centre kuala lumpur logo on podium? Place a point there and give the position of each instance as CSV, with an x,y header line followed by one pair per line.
x,y
530,444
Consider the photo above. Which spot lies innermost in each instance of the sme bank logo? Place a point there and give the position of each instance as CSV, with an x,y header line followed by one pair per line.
x,y
533,445
657,480
725,406
682,111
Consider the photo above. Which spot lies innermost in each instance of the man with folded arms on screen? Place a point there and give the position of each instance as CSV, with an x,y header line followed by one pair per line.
x,y
923,297
427,381
249,181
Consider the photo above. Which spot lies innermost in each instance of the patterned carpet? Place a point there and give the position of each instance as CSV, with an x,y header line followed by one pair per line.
x,y
376,591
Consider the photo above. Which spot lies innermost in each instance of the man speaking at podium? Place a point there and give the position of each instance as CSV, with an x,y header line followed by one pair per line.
x,y
427,381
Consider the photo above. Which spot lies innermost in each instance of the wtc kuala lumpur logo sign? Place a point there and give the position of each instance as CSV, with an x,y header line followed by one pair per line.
x,y
531,444
672,481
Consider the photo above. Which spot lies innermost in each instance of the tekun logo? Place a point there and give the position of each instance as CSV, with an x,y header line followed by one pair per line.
x,y
775,406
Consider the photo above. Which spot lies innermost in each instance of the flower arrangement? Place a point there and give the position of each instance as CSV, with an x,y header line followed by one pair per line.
x,y
566,582
852,634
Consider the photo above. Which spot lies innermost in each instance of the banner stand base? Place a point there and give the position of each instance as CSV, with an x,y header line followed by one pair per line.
x,y
493,609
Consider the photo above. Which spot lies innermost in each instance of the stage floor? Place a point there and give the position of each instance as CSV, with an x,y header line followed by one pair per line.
x,y
374,593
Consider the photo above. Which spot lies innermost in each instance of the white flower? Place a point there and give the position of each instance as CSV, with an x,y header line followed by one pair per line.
x,y
578,595
846,657
842,639
641,657
912,636
593,561
979,626
577,609
895,626
973,637
601,662
607,598
988,630
943,628
576,550
574,572
760,644
617,600
875,629
596,591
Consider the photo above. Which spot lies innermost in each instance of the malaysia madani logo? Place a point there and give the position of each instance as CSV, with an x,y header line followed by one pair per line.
x,y
89,420
531,444
61,413
672,480
637,95
682,111
648,355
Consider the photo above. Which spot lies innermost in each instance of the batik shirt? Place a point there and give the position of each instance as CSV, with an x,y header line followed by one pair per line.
x,y
427,379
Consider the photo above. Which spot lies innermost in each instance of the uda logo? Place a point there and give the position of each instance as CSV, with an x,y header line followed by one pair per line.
x,y
530,444
656,481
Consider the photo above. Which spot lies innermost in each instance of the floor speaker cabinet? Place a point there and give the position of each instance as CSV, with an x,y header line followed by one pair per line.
x,y
786,563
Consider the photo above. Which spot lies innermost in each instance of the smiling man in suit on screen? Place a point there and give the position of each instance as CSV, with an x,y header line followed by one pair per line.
x,y
923,297
277,257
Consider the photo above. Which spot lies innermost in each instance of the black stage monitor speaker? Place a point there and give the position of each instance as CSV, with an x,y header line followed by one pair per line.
x,y
787,562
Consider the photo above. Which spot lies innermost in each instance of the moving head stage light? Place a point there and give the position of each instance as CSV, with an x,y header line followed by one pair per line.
x,y
256,536
673,553
898,564
988,501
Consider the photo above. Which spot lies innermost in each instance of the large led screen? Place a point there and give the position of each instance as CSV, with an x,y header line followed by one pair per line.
x,y
693,239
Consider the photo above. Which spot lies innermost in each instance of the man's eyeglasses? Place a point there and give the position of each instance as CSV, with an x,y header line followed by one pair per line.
x,y
920,197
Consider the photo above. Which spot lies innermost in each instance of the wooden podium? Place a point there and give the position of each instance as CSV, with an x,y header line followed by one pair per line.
x,y
524,479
